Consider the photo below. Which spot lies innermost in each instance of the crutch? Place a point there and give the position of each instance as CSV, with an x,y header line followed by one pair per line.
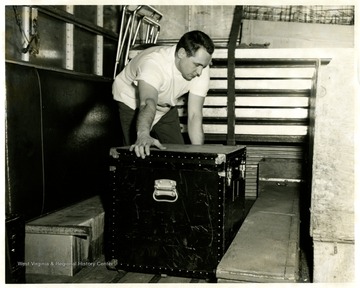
x,y
123,35
129,31
146,18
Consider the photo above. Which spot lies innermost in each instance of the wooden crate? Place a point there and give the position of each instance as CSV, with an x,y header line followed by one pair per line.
x,y
64,242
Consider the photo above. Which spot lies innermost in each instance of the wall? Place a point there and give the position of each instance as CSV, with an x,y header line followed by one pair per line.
x,y
216,21
297,35
332,208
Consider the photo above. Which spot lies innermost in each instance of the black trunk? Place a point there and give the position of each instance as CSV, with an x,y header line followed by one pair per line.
x,y
176,211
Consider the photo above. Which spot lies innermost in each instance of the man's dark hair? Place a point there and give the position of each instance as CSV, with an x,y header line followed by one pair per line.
x,y
193,40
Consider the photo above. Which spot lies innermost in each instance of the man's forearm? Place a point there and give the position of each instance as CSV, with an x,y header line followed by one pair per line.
x,y
146,117
144,122
196,132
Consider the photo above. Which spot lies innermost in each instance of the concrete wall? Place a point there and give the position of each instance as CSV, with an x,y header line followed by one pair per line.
x,y
216,21
333,182
297,35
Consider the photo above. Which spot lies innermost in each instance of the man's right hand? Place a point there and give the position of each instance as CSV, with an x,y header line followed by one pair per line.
x,y
143,144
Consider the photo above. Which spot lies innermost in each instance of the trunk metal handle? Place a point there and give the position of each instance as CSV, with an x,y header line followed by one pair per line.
x,y
165,188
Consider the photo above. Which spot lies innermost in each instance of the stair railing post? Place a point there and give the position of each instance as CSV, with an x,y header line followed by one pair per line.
x,y
231,94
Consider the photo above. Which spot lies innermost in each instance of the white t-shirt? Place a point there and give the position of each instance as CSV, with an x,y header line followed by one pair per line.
x,y
156,66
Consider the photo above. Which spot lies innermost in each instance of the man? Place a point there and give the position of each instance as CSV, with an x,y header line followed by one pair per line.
x,y
148,87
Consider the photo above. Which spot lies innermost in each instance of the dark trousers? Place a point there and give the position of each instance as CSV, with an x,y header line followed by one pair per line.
x,y
167,130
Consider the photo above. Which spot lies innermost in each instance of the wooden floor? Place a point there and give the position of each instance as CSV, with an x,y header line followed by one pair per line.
x,y
98,273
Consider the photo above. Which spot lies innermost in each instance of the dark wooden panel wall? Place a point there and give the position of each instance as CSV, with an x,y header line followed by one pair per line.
x,y
59,129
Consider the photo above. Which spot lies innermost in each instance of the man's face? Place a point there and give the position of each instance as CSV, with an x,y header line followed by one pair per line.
x,y
191,67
